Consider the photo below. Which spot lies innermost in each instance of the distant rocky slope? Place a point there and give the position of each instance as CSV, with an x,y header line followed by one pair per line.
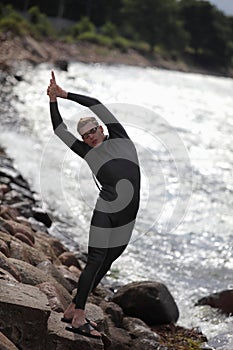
x,y
15,49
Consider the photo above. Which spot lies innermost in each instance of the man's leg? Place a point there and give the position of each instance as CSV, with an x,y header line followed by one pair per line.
x,y
96,257
112,255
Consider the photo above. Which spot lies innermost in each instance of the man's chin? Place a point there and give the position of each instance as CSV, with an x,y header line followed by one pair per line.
x,y
96,144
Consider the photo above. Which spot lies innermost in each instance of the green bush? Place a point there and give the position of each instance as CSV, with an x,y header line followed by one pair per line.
x,y
121,43
110,30
67,39
13,22
140,46
40,24
10,25
95,39
160,51
34,14
7,10
83,26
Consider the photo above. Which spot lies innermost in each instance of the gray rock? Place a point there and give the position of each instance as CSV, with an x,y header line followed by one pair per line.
x,y
57,246
41,215
7,266
139,329
5,343
23,238
68,259
42,243
4,188
23,191
71,277
9,172
9,213
56,299
150,301
94,313
6,227
14,196
22,251
24,313
51,270
146,343
62,64
114,311
5,180
32,275
60,339
121,340
4,248
6,276
222,300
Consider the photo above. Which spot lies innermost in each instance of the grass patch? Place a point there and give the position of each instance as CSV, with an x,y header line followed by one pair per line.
x,y
179,338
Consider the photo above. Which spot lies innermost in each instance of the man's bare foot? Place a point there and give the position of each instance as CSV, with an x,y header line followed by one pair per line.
x,y
69,311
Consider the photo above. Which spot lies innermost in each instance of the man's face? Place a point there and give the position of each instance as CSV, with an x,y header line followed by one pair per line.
x,y
94,136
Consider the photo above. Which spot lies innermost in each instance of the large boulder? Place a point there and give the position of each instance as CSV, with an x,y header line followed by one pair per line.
x,y
6,227
24,313
94,313
7,212
150,301
14,227
222,300
32,275
7,266
142,336
43,243
71,277
4,248
55,297
22,251
57,246
69,259
5,343
52,270
60,339
139,329
114,311
120,338
42,216
6,276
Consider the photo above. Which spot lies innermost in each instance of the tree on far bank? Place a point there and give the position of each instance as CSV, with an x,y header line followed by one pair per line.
x,y
210,31
156,21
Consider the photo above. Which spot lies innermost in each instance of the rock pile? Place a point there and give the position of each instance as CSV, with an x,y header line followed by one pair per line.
x,y
38,276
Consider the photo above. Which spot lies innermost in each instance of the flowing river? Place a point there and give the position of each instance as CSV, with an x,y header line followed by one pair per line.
x,y
182,126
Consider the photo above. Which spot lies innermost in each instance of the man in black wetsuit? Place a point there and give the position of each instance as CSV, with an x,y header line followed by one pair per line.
x,y
114,162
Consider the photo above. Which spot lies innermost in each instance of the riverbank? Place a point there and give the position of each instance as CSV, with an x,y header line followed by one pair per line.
x,y
18,49
38,277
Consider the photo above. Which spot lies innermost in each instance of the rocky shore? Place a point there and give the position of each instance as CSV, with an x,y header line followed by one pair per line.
x,y
18,49
38,276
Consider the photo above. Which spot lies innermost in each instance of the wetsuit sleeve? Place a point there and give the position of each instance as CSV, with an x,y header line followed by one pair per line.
x,y
115,129
60,129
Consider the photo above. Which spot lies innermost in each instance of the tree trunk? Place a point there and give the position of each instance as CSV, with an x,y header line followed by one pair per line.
x,y
26,4
61,9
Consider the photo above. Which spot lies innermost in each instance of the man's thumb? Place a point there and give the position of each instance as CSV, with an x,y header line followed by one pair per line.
x,y
53,76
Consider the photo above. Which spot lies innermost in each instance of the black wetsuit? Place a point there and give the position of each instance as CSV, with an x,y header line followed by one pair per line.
x,y
115,165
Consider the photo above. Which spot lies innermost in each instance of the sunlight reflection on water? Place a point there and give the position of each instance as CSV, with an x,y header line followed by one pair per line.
x,y
195,259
